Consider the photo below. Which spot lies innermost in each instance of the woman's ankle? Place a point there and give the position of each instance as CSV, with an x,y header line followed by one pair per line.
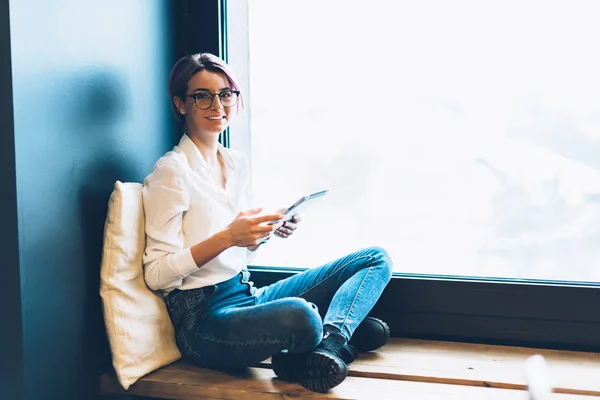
x,y
332,341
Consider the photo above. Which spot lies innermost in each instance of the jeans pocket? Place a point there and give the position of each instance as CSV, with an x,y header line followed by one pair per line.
x,y
187,303
196,300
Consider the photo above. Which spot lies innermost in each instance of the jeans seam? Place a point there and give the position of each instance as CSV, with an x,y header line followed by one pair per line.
x,y
335,272
228,342
358,292
189,348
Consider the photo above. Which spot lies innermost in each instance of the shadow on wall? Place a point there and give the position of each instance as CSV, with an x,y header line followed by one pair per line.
x,y
85,128
100,111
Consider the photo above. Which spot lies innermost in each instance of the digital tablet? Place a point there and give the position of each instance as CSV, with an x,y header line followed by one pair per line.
x,y
300,205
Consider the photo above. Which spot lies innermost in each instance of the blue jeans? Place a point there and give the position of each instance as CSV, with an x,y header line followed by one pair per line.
x,y
233,324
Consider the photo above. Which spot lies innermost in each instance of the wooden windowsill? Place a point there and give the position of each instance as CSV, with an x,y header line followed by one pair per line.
x,y
478,365
404,368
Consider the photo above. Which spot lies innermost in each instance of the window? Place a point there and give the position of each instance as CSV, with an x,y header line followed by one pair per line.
x,y
461,136
478,144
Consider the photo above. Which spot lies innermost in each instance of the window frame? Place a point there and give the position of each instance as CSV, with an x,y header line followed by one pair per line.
x,y
520,313
530,313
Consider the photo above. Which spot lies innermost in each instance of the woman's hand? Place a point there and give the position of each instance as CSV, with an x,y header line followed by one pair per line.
x,y
288,227
248,230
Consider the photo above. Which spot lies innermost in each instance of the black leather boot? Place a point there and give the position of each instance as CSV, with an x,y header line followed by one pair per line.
x,y
370,335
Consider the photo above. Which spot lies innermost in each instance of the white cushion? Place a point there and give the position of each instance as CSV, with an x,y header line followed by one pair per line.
x,y
139,329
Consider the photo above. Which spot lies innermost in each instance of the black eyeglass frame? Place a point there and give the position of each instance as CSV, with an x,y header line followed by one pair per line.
x,y
212,98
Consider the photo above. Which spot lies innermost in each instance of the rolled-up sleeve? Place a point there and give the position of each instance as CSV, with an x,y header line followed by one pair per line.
x,y
165,198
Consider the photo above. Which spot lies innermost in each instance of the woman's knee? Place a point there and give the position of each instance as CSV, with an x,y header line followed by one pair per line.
x,y
381,260
303,320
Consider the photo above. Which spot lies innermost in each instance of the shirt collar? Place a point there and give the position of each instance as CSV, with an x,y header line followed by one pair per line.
x,y
196,159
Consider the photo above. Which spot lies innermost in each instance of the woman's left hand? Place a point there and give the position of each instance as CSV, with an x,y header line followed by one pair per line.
x,y
288,227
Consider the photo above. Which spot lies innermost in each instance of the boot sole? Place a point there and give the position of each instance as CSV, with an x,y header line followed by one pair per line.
x,y
316,371
322,372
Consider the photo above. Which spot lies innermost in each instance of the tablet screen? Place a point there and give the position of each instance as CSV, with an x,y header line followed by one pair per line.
x,y
301,203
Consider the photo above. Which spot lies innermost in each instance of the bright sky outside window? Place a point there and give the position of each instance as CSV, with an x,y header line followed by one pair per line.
x,y
462,136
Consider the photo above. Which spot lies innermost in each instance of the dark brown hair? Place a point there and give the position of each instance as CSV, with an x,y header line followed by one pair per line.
x,y
186,67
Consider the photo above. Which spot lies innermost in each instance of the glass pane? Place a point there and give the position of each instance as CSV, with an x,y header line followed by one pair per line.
x,y
462,136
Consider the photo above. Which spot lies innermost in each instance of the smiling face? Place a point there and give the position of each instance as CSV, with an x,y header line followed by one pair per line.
x,y
206,123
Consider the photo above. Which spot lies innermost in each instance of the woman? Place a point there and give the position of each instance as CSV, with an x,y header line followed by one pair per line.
x,y
201,229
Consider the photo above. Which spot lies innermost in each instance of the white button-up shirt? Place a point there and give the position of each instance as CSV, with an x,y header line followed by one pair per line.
x,y
183,207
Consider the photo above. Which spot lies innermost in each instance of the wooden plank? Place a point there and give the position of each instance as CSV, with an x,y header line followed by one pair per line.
x,y
185,382
477,365
401,364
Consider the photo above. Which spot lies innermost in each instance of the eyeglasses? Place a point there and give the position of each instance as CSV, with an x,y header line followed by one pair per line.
x,y
204,100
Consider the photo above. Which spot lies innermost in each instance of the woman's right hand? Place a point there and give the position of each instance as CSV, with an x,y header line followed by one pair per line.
x,y
248,229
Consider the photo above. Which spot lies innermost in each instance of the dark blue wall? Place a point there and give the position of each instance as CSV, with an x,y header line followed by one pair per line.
x,y
90,107
11,349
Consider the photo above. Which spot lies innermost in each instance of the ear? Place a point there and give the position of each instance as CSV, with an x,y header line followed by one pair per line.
x,y
179,104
